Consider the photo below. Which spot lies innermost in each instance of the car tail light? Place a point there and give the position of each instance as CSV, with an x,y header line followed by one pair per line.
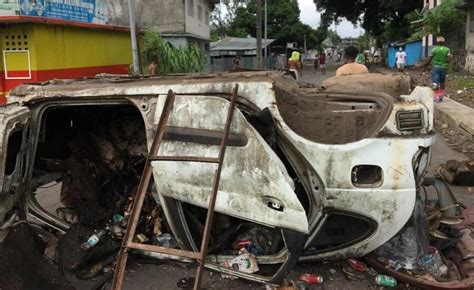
x,y
409,120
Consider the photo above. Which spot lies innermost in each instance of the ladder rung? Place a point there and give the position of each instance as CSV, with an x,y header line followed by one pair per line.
x,y
164,250
185,158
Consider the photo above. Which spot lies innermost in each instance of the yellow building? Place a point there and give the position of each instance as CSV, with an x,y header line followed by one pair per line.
x,y
35,49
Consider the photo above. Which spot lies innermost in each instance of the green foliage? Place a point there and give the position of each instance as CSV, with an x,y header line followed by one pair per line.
x,y
223,15
462,83
172,60
335,38
445,18
363,42
283,23
383,19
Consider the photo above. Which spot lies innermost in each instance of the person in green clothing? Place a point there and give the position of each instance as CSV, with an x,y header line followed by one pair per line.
x,y
440,57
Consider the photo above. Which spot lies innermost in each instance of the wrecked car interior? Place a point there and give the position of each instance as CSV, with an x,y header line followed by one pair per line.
x,y
310,174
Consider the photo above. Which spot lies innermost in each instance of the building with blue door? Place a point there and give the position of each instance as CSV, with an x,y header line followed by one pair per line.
x,y
413,49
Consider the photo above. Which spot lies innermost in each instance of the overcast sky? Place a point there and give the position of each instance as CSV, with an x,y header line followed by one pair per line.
x,y
310,16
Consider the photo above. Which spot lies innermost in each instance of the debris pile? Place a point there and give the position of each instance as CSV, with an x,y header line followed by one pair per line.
x,y
440,258
458,172
101,162
87,252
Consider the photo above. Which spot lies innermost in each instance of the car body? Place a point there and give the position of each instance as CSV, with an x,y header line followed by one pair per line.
x,y
335,171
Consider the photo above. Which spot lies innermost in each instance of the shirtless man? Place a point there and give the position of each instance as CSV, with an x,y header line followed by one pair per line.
x,y
153,66
351,67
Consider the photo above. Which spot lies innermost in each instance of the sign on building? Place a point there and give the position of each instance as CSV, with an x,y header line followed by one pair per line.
x,y
88,11
9,8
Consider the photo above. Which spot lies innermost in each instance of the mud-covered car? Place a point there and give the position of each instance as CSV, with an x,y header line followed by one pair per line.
x,y
312,173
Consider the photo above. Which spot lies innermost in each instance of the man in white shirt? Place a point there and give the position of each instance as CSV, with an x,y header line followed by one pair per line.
x,y
401,58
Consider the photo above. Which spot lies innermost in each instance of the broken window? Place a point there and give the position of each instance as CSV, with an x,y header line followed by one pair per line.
x,y
89,161
13,149
340,230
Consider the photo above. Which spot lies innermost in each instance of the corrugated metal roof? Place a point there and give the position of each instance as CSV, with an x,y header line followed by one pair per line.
x,y
235,43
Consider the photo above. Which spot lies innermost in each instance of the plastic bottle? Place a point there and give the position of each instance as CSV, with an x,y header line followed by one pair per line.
x,y
93,240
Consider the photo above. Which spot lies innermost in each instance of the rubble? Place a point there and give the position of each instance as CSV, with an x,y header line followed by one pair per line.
x,y
357,265
446,263
311,279
458,172
245,262
384,280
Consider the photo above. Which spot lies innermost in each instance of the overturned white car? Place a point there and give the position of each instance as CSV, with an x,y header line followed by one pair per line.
x,y
312,173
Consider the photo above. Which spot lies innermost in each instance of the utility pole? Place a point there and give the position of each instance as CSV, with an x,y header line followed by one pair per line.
x,y
133,34
265,36
305,50
259,34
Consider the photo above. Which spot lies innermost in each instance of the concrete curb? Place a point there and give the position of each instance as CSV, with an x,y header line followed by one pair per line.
x,y
456,115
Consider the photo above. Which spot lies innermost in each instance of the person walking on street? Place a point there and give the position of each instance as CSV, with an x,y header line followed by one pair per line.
x,y
401,58
351,67
322,62
316,62
440,57
294,65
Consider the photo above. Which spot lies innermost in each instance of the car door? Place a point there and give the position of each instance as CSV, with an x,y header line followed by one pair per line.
x,y
14,159
254,183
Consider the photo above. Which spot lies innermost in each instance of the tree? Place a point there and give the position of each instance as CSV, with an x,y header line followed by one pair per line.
x,y
445,18
334,37
363,41
224,14
383,19
283,23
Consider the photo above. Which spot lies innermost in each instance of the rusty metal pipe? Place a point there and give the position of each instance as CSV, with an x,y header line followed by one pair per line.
x,y
163,250
185,159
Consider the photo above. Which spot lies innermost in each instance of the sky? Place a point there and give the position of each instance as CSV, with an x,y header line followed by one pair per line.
x,y
310,16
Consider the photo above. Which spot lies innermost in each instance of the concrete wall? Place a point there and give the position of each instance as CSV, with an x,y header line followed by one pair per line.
x,y
57,51
164,16
197,18
157,15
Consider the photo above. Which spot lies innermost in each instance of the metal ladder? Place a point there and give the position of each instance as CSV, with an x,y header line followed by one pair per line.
x,y
127,242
